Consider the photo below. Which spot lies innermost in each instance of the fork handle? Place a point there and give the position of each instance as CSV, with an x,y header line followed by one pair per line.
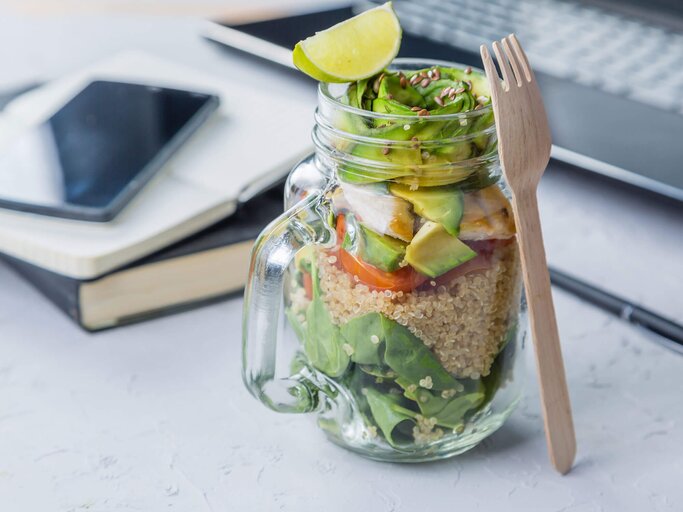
x,y
557,414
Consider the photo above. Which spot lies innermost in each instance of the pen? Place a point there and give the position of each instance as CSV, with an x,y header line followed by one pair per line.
x,y
669,333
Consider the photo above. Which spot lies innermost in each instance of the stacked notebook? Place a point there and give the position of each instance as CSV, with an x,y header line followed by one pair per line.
x,y
201,269
185,238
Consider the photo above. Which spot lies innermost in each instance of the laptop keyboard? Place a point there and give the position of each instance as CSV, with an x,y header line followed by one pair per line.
x,y
584,44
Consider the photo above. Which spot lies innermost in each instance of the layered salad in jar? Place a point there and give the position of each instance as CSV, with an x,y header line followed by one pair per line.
x,y
413,311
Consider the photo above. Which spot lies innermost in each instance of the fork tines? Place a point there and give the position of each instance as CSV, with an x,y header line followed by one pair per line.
x,y
512,61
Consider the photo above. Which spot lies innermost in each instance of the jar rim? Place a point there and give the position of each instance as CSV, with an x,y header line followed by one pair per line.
x,y
326,96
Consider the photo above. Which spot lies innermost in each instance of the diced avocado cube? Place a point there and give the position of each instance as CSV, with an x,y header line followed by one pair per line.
x,y
381,251
433,251
438,204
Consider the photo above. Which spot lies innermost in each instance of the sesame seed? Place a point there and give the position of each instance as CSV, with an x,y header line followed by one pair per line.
x,y
424,112
482,99
403,82
460,90
385,150
374,339
332,259
406,127
432,283
439,101
437,74
414,138
415,79
468,70
425,155
425,82
415,109
430,73
348,349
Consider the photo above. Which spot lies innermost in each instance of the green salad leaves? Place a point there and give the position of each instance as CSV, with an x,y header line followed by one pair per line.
x,y
392,375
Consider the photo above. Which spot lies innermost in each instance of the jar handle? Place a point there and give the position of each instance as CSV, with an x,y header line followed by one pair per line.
x,y
301,225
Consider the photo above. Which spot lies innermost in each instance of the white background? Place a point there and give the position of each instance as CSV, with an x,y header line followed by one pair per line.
x,y
154,417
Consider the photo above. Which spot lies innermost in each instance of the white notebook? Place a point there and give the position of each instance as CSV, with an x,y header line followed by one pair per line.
x,y
200,184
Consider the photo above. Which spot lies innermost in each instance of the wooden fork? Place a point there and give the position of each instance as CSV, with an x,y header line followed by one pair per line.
x,y
524,147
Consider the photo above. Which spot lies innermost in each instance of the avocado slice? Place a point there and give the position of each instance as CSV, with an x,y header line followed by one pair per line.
x,y
434,252
381,251
438,204
480,84
390,90
437,177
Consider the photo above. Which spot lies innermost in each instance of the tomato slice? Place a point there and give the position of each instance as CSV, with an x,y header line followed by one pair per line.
x,y
404,280
308,285
341,229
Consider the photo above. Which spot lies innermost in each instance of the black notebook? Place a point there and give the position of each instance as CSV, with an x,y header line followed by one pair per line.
x,y
201,269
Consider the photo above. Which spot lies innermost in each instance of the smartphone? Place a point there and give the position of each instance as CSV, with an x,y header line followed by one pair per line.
x,y
90,158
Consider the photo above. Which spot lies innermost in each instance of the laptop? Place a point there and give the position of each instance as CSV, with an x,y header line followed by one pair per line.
x,y
611,72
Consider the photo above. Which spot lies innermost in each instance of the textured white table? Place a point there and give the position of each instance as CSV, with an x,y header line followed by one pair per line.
x,y
154,417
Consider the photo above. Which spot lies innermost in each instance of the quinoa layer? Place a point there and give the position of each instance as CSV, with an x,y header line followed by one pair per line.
x,y
463,322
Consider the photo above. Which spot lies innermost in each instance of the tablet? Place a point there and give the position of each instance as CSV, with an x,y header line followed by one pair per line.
x,y
91,157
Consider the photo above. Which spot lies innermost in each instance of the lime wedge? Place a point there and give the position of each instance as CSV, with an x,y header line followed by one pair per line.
x,y
353,49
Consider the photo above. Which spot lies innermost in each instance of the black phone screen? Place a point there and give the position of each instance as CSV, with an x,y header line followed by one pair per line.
x,y
91,157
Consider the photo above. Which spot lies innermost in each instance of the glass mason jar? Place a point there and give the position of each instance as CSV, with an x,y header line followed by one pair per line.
x,y
390,289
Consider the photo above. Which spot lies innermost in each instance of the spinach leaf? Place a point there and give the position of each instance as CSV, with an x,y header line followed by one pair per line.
x,y
502,365
449,412
323,342
360,332
404,353
387,412
454,412
411,359
378,371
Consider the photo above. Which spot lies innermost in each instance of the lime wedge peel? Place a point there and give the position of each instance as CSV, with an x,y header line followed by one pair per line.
x,y
353,49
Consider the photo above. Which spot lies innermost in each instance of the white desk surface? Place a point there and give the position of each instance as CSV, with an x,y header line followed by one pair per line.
x,y
154,416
